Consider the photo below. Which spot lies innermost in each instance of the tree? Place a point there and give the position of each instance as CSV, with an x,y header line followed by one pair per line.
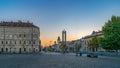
x,y
62,46
49,48
111,31
77,46
111,42
94,43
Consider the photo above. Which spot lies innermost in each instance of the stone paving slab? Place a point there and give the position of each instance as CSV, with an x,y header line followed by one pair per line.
x,y
56,61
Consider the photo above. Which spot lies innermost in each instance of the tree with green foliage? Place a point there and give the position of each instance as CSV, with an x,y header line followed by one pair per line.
x,y
111,31
94,43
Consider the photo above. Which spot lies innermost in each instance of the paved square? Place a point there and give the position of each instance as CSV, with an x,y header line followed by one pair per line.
x,y
56,61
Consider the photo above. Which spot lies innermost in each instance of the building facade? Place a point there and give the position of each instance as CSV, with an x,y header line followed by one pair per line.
x,y
19,37
85,41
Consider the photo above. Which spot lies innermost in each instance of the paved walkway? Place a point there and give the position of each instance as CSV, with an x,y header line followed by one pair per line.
x,y
56,60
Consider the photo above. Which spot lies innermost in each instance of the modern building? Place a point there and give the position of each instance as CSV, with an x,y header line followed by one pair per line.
x,y
19,37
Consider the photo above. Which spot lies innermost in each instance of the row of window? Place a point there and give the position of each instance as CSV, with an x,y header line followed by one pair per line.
x,y
24,49
18,42
19,35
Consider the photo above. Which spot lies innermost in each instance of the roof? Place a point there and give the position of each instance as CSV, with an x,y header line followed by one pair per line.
x,y
17,24
94,34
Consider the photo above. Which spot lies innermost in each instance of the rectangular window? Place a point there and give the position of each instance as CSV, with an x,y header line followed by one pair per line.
x,y
20,42
24,42
6,42
10,42
15,41
10,35
33,42
15,36
24,35
29,42
1,42
19,35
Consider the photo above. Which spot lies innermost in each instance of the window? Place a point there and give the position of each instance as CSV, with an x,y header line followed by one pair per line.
x,y
33,42
20,42
15,36
24,42
29,42
10,42
15,41
6,35
24,35
6,42
10,35
19,35
1,42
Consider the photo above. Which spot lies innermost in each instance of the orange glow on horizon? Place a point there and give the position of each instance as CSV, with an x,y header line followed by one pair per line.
x,y
49,43
49,40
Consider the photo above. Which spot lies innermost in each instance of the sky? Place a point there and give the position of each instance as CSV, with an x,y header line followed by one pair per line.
x,y
78,17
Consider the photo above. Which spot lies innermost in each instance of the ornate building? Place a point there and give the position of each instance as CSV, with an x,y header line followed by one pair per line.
x,y
19,37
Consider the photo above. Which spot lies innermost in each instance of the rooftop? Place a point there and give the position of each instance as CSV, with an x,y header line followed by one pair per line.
x,y
17,24
94,33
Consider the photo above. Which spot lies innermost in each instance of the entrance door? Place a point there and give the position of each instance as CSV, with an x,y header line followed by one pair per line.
x,y
20,50
6,49
2,50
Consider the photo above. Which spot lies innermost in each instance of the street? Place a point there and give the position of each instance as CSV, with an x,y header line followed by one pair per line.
x,y
56,60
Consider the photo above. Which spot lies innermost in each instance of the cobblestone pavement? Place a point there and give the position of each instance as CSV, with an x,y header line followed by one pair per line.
x,y
55,60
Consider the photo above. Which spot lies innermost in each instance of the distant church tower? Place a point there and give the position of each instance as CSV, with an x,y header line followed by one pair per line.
x,y
58,39
64,36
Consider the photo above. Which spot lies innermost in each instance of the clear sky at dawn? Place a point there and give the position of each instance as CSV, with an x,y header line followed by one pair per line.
x,y
78,17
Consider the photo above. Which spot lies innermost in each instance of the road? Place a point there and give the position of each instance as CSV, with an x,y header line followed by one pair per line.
x,y
56,60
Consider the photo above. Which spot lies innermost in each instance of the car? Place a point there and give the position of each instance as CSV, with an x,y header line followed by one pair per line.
x,y
93,55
